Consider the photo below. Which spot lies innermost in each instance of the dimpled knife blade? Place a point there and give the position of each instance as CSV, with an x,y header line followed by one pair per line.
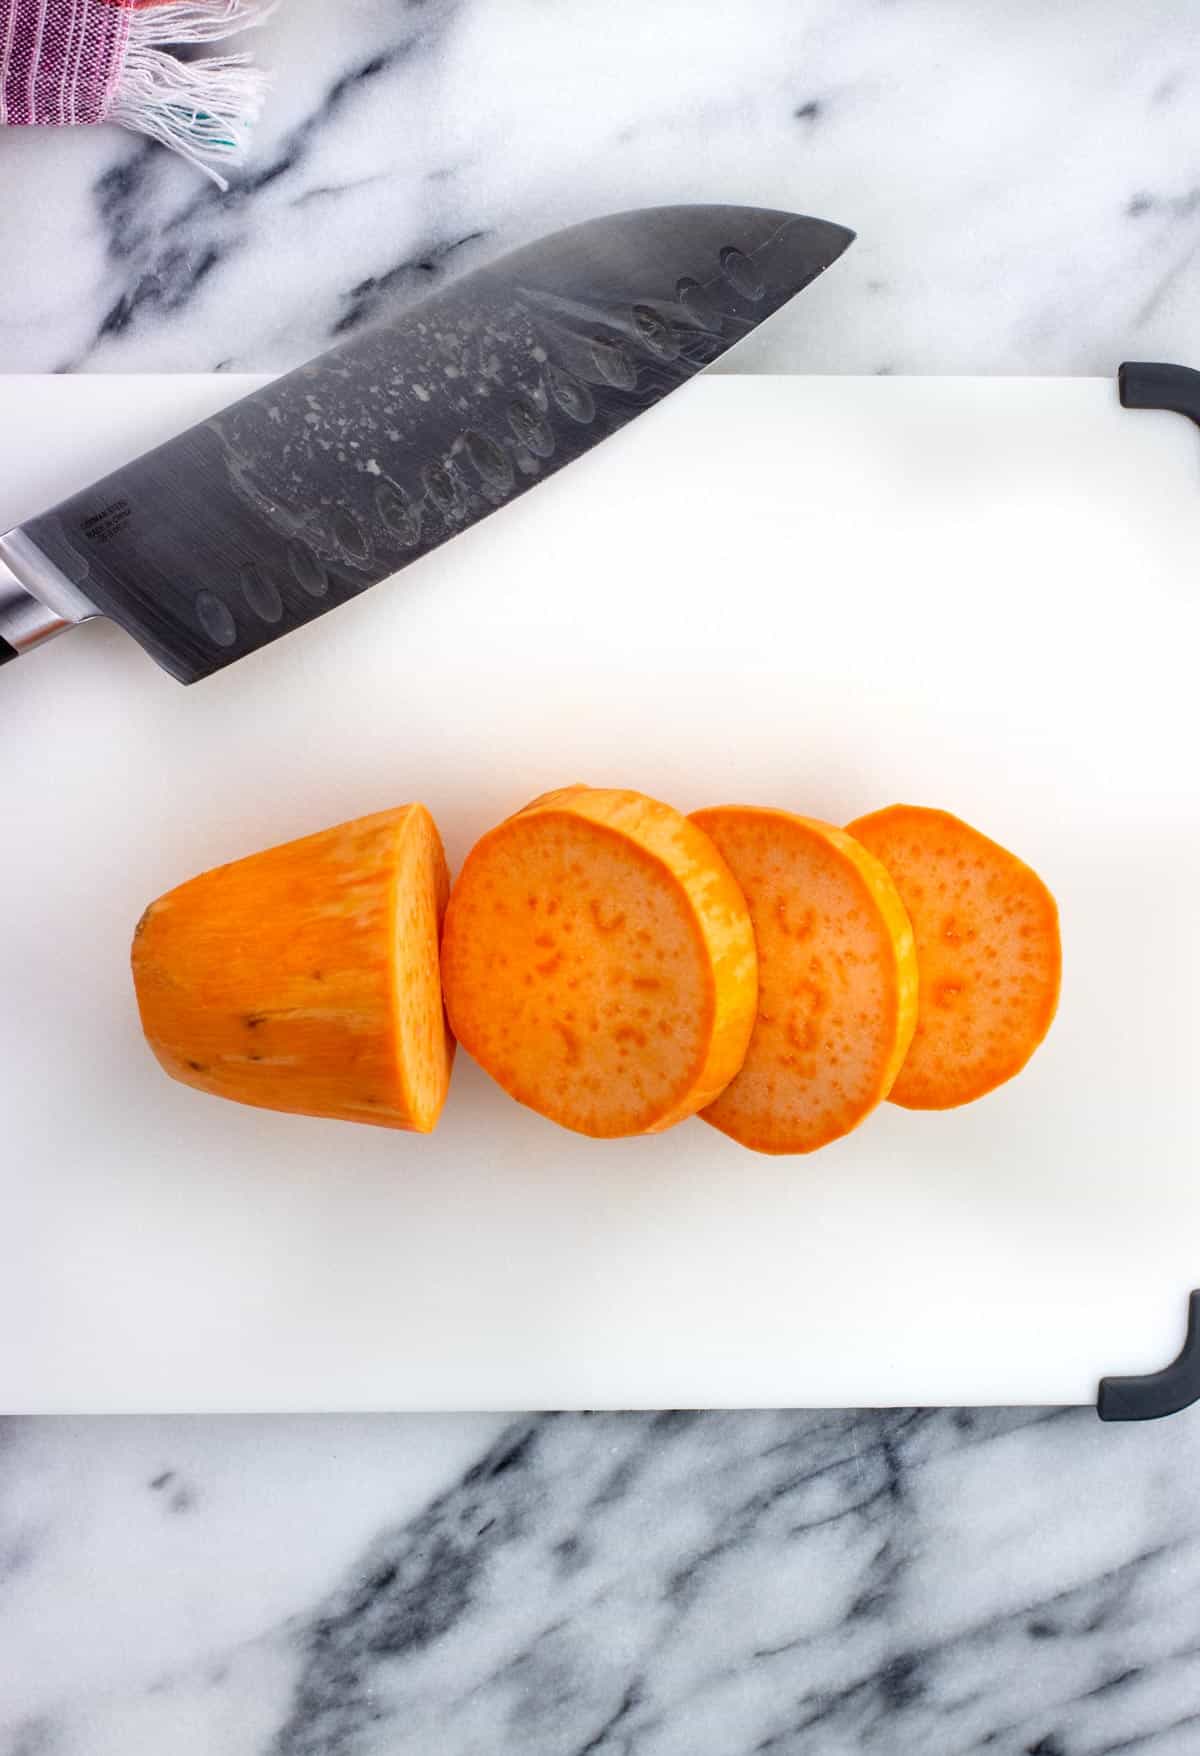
x,y
344,471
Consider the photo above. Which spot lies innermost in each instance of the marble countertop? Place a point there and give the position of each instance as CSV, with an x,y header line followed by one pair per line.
x,y
1020,1583
1025,181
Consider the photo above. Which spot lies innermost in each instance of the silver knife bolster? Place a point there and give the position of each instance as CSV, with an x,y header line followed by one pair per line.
x,y
37,600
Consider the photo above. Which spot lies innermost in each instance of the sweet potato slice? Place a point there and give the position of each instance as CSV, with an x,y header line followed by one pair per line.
x,y
988,951
598,961
837,980
306,978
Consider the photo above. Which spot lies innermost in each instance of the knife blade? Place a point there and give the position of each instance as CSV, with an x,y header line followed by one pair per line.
x,y
344,471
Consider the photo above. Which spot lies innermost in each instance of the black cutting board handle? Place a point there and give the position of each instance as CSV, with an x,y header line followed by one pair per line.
x,y
1155,384
1156,1394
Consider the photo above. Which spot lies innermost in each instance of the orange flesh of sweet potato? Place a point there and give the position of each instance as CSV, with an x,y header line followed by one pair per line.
x,y
598,961
988,950
837,980
305,978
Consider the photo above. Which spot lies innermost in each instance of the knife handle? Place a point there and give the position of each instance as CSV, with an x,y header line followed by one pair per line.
x,y
6,651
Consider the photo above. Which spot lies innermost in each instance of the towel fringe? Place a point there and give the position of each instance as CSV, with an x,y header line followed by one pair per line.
x,y
203,109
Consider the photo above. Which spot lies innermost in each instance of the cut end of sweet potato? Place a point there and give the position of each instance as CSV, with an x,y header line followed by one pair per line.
x,y
424,1047
305,978
988,951
837,980
598,961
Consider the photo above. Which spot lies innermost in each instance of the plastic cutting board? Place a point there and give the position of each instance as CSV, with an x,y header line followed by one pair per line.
x,y
829,593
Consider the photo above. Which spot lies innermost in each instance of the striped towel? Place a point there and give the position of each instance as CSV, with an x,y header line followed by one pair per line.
x,y
83,61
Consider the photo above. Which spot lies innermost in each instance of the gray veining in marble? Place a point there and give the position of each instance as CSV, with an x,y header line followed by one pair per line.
x,y
1025,180
1021,1582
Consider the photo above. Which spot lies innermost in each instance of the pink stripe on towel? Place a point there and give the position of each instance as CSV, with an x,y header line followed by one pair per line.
x,y
60,60
86,61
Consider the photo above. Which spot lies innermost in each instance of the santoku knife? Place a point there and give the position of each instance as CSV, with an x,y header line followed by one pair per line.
x,y
339,474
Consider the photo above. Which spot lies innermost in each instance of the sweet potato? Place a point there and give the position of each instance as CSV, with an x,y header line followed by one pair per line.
x,y
837,980
988,951
598,961
306,978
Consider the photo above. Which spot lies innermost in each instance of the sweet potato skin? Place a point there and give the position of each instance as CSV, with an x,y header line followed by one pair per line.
x,y
989,951
837,980
305,978
599,962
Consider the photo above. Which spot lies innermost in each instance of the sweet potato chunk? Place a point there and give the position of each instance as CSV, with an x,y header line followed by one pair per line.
x,y
988,951
305,978
837,980
598,961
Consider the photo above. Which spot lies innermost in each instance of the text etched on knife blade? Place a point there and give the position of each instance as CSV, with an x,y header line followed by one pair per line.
x,y
103,526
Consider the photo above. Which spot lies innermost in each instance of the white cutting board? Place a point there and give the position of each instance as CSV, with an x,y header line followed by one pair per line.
x,y
826,593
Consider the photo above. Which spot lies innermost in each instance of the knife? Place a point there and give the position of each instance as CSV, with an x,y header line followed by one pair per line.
x,y
342,472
